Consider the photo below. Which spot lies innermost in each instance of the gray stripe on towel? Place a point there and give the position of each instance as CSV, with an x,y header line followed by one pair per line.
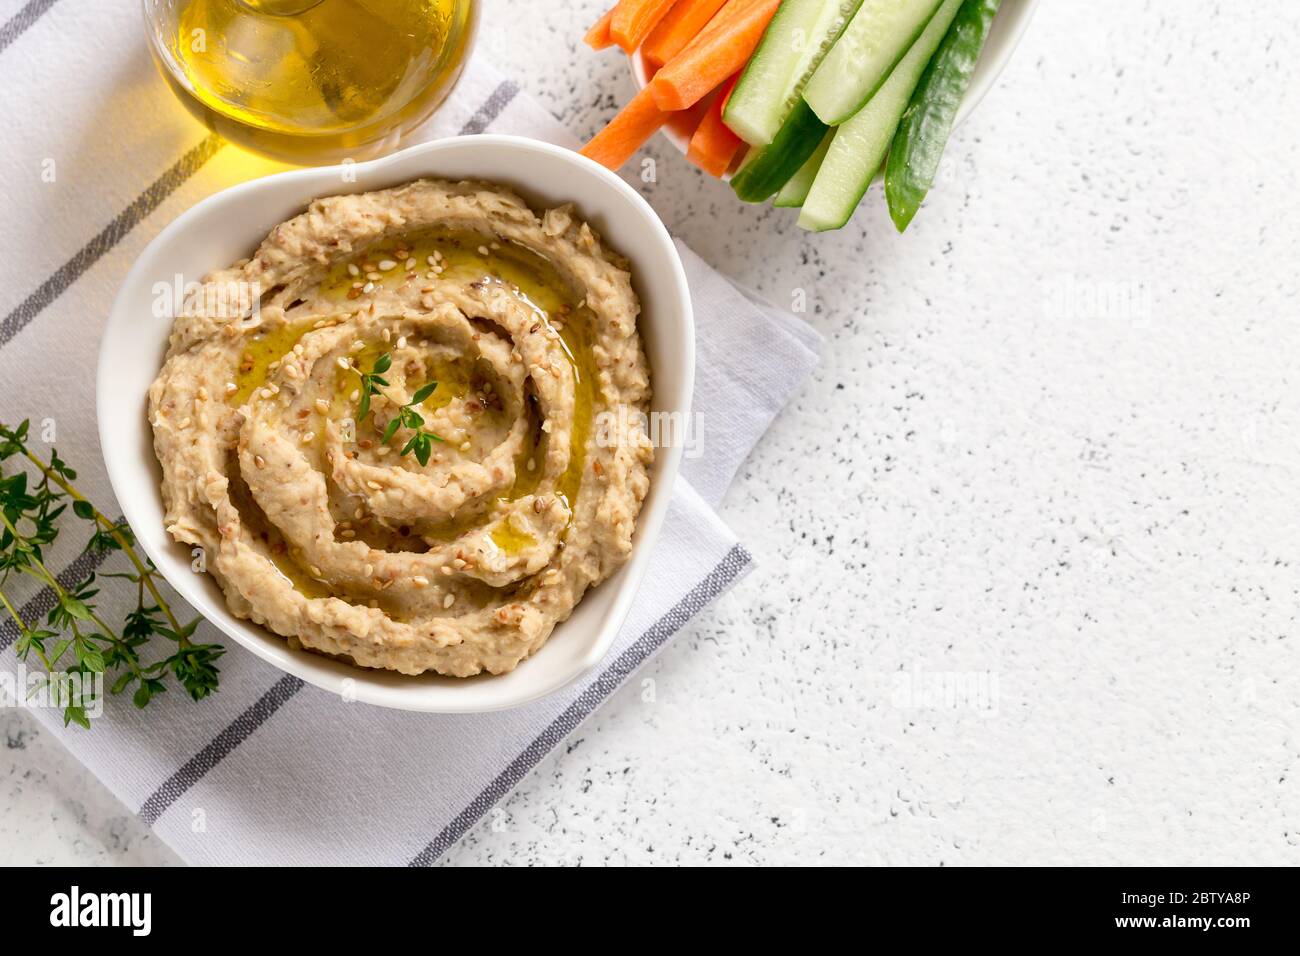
x,y
490,110
719,578
164,186
16,25
236,732
112,234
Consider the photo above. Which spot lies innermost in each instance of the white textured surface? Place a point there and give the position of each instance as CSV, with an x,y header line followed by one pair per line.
x,y
1094,506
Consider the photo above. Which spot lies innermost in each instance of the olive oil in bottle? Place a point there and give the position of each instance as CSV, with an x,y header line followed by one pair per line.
x,y
312,80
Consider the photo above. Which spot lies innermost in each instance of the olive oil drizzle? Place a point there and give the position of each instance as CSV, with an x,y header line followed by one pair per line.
x,y
460,257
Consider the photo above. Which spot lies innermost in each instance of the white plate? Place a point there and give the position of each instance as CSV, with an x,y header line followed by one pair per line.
x,y
231,224
1008,27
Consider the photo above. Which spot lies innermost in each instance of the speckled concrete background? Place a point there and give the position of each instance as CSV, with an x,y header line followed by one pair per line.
x,y
1028,540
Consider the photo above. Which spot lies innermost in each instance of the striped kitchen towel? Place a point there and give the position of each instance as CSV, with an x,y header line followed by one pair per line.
x,y
269,770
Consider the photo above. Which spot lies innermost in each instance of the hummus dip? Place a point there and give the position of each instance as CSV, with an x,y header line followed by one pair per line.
x,y
316,515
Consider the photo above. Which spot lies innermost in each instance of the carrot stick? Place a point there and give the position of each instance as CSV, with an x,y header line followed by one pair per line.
x,y
685,122
598,37
712,57
721,21
678,28
714,145
634,124
634,19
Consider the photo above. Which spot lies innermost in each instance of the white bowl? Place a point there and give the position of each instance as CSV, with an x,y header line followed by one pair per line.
x,y
1008,27
230,225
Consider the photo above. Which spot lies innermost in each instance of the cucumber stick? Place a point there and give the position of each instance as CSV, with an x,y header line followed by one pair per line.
x,y
923,133
768,168
795,191
878,36
799,36
858,149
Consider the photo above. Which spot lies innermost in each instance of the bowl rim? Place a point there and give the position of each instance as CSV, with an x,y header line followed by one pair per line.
x,y
1015,14
355,684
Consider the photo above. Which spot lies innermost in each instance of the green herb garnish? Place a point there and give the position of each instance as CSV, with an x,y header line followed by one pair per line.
x,y
421,441
74,629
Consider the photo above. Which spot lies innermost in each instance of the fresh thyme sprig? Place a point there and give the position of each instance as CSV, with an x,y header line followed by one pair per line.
x,y
421,441
370,382
28,516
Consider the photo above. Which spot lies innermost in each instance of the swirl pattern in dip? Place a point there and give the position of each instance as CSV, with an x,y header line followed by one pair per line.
x,y
321,530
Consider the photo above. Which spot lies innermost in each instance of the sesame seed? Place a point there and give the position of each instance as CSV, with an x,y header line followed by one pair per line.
x,y
410,264
386,264
353,270
401,341
420,581
342,363
449,600
482,250
368,288
259,461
